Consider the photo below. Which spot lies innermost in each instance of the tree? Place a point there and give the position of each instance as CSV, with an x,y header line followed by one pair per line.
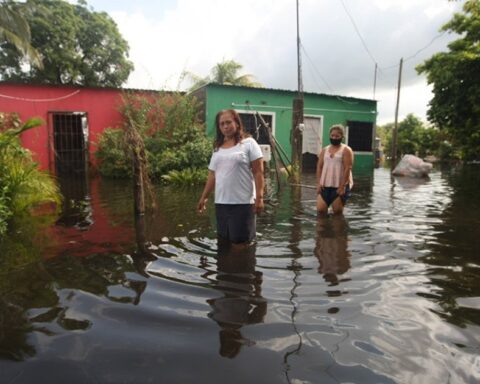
x,y
413,138
227,73
455,76
78,46
14,29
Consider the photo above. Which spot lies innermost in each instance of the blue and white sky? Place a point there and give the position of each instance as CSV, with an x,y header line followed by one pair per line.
x,y
342,40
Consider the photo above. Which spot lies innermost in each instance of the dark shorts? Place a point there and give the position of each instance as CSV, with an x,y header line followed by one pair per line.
x,y
329,194
236,222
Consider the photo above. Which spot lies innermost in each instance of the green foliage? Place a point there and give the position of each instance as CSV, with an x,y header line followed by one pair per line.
x,y
22,185
14,29
173,137
186,177
111,154
455,76
227,73
413,137
78,46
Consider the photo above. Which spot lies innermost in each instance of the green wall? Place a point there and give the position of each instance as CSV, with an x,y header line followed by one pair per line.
x,y
334,109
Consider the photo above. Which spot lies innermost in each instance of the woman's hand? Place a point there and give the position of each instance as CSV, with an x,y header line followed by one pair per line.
x,y
259,205
341,190
319,189
202,205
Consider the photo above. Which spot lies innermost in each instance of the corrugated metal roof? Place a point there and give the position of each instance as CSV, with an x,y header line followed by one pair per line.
x,y
285,90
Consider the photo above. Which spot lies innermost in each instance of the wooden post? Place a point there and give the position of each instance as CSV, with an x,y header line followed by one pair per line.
x,y
138,184
296,137
395,127
297,114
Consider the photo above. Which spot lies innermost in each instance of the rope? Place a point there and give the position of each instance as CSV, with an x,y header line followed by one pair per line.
x,y
40,100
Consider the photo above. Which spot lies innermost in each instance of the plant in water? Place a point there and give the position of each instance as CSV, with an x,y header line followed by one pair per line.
x,y
186,177
22,185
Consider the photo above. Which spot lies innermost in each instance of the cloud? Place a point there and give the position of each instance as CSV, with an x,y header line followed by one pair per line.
x,y
261,35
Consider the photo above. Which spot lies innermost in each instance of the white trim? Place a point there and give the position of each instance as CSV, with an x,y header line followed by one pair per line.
x,y
250,112
234,105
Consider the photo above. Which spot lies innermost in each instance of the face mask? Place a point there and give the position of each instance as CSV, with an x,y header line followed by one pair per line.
x,y
335,141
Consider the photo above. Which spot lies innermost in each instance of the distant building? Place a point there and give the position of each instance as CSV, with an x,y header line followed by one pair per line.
x,y
321,111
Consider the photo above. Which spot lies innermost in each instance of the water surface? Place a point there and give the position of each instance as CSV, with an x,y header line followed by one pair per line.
x,y
389,293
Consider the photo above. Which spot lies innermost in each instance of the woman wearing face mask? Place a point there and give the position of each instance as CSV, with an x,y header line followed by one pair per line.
x,y
334,173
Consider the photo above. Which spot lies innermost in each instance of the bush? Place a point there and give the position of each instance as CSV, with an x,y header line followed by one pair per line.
x,y
187,177
111,154
173,137
22,184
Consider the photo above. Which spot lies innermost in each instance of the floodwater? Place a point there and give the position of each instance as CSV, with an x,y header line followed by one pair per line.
x,y
389,293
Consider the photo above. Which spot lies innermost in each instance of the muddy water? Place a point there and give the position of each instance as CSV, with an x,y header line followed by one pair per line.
x,y
389,293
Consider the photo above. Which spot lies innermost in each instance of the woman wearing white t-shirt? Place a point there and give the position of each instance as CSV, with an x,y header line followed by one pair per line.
x,y
236,174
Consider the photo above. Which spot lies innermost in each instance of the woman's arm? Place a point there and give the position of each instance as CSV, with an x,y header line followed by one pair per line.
x,y
209,186
319,169
347,168
257,170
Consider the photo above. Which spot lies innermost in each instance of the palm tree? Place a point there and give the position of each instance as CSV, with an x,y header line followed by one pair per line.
x,y
227,73
15,30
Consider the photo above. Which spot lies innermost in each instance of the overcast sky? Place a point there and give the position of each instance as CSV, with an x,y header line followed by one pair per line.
x,y
167,37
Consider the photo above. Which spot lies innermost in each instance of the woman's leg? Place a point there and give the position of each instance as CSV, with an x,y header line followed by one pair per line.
x,y
322,207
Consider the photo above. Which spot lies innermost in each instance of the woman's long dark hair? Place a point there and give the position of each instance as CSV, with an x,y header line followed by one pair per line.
x,y
220,138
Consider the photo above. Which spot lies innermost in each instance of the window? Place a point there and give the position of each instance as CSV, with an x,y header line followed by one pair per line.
x,y
70,141
360,136
251,124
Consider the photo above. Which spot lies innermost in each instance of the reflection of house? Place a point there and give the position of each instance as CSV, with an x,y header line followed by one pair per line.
x,y
321,111
73,115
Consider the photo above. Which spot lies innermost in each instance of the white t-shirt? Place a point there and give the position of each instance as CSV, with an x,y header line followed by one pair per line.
x,y
234,182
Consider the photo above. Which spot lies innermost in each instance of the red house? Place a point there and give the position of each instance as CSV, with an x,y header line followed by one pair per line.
x,y
73,115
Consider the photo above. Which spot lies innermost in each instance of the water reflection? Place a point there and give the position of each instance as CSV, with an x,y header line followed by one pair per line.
x,y
242,302
331,247
388,293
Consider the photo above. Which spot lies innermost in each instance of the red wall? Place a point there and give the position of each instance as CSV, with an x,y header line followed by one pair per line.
x,y
100,105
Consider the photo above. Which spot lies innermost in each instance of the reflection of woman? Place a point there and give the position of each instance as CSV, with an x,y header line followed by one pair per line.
x,y
334,173
331,247
236,174
242,302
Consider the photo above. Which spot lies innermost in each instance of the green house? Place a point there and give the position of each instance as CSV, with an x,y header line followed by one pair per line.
x,y
321,111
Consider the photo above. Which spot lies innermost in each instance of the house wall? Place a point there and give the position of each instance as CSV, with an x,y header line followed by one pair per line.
x,y
333,109
99,104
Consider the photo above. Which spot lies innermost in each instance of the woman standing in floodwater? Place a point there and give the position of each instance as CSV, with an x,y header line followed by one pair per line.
x,y
334,173
236,173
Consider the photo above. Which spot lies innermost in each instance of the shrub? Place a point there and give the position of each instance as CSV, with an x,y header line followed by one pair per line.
x,y
111,154
22,185
186,177
173,137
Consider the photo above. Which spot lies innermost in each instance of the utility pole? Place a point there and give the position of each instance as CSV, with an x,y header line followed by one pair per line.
x,y
395,127
297,114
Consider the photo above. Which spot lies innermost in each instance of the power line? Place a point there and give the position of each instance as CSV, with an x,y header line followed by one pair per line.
x,y
419,51
358,32
323,79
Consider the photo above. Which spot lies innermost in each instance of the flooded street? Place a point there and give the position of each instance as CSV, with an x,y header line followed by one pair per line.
x,y
389,293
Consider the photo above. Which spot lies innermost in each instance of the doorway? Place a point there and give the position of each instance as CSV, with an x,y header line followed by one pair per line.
x,y
70,143
312,141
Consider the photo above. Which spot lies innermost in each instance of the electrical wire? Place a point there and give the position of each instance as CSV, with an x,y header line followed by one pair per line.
x,y
323,79
358,32
416,53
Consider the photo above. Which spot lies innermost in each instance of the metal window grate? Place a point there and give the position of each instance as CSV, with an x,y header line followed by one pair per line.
x,y
69,142
250,124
